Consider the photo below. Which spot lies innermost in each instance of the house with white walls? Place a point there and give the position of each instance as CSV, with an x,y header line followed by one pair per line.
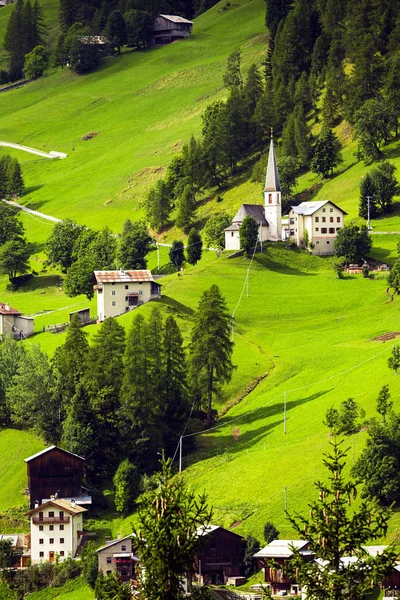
x,y
317,223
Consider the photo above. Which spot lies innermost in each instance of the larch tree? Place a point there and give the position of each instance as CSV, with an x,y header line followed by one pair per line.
x,y
211,347
383,402
336,530
394,360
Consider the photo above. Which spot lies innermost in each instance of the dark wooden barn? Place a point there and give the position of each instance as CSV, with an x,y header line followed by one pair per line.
x,y
170,28
219,555
55,472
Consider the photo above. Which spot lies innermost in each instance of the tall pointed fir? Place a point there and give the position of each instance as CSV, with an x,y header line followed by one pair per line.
x,y
194,247
211,347
14,43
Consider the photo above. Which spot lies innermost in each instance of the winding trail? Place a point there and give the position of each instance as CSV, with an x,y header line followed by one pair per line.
x,y
52,154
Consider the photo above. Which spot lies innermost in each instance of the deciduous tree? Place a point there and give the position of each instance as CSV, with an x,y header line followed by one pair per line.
x,y
353,243
14,258
383,402
394,360
194,248
177,253
126,482
60,244
248,233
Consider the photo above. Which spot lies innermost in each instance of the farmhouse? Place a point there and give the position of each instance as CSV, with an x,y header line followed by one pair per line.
x,y
13,323
268,217
280,552
121,291
219,555
117,556
170,28
56,472
56,530
321,220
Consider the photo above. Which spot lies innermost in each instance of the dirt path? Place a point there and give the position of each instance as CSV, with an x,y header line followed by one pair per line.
x,y
52,154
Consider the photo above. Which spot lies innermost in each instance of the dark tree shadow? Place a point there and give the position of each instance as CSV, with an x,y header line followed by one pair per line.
x,y
177,307
265,261
30,190
41,281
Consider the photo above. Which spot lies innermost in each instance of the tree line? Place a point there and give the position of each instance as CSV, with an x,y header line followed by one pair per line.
x,y
123,396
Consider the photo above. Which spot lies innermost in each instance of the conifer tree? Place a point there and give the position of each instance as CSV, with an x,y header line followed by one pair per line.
x,y
158,206
253,88
394,360
392,90
211,347
326,153
135,244
39,24
248,233
68,13
186,207
383,402
176,253
232,76
336,530
14,43
213,144
194,247
70,358
116,30
15,182
302,136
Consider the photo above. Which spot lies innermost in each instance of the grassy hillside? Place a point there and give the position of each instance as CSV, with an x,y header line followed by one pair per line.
x,y
142,105
15,446
72,590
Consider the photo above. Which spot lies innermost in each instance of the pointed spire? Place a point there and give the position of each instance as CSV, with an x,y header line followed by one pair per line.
x,y
272,183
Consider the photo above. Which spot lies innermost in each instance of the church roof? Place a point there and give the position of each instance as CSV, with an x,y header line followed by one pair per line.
x,y
256,211
272,183
309,208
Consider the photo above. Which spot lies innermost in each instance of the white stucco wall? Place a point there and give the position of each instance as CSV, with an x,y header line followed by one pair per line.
x,y
112,300
69,534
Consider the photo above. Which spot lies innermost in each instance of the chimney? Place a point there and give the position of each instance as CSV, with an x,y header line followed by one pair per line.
x,y
118,536
108,540
6,306
52,497
36,503
73,503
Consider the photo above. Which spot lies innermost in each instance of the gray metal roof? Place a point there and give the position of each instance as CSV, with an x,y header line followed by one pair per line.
x,y
176,19
309,208
272,183
280,548
112,542
256,211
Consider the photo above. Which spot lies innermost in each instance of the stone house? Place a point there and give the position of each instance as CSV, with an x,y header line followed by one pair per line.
x,y
122,291
321,220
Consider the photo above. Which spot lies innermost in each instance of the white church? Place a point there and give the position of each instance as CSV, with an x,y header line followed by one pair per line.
x,y
320,219
269,216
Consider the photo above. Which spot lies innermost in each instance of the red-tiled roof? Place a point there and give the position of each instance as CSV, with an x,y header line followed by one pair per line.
x,y
5,309
122,276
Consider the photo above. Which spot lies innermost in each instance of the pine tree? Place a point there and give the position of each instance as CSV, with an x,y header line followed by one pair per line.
x,y
253,88
186,207
213,144
68,13
176,253
302,137
158,206
276,11
326,153
175,390
14,42
194,247
232,77
4,163
116,30
335,530
211,347
15,182
392,90
39,24
70,358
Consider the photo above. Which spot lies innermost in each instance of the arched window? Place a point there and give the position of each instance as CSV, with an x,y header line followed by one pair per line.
x,y
270,199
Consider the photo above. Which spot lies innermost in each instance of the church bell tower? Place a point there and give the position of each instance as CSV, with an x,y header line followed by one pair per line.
x,y
272,198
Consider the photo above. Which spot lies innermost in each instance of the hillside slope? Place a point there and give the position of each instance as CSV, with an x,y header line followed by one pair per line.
x,y
142,105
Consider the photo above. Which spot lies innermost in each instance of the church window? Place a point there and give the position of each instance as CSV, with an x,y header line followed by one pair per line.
x,y
270,199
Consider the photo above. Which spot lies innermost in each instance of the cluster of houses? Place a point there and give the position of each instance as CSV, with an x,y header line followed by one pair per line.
x,y
58,503
311,224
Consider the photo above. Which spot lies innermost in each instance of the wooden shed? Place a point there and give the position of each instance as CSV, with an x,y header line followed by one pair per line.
x,y
54,472
170,28
219,556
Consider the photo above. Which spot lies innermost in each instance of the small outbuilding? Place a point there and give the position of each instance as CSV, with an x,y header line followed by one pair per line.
x,y
12,322
170,28
274,559
219,555
118,556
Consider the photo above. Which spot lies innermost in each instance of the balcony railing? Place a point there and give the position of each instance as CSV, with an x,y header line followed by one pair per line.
x,y
47,520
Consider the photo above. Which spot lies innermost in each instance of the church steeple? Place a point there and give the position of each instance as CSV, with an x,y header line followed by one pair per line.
x,y
272,197
272,183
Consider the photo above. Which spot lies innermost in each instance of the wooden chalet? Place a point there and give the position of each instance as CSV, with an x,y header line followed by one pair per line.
x,y
58,473
170,28
274,560
219,555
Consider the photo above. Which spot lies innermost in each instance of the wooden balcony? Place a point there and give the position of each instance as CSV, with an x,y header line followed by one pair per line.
x,y
49,520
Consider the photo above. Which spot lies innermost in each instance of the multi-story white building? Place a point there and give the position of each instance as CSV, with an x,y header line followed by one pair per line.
x,y
321,220
121,291
268,217
56,530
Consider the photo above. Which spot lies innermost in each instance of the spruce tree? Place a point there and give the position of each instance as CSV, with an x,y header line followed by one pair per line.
x,y
326,153
14,43
253,88
158,206
248,233
392,90
70,358
68,13
335,530
15,182
211,347
39,24
194,247
176,254
116,30
232,77
186,209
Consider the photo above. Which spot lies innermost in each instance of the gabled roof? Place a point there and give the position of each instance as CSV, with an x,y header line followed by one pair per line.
x,y
280,548
207,529
60,503
176,19
272,183
309,208
5,309
256,211
113,542
123,276
49,449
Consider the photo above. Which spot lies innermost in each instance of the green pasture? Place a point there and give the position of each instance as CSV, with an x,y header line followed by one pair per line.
x,y
15,446
76,589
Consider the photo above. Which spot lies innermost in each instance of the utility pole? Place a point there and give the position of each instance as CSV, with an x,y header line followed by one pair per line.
x,y
284,413
180,454
369,198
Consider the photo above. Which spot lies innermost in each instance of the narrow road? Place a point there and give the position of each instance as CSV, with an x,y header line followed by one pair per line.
x,y
52,154
32,212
